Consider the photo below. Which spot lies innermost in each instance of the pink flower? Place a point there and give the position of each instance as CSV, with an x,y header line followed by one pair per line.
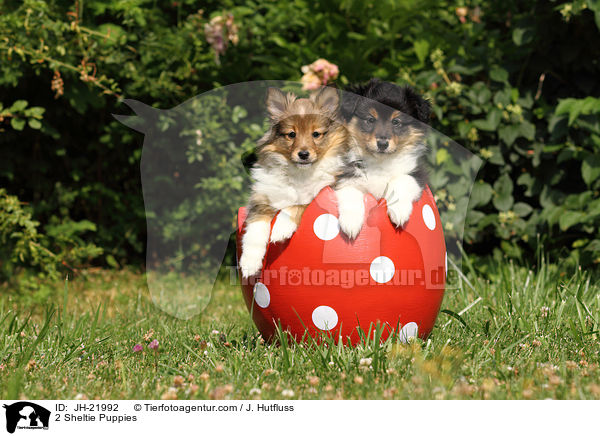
x,y
310,81
137,348
461,13
318,74
153,345
219,32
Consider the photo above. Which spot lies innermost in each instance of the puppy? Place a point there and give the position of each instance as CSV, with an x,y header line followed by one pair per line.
x,y
299,155
385,124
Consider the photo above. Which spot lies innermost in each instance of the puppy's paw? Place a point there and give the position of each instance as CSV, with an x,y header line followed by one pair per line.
x,y
250,263
351,223
351,208
399,212
283,228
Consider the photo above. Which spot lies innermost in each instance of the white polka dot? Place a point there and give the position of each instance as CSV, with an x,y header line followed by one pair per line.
x,y
409,330
326,227
446,260
261,295
382,269
428,217
324,317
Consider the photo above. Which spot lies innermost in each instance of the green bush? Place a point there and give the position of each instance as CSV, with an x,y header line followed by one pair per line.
x,y
28,255
514,82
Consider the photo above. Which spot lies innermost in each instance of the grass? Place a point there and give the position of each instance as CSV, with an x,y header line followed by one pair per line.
x,y
505,333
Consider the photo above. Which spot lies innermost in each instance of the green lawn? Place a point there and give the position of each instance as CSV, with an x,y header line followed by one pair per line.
x,y
524,335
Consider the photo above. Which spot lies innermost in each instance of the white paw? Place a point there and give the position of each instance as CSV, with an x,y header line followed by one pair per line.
x,y
283,228
254,247
352,210
399,212
351,222
251,263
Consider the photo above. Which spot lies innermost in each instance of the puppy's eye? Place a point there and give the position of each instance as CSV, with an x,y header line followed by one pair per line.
x,y
291,135
371,120
316,134
396,122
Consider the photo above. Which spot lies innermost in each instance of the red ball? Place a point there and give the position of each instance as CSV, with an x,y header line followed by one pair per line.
x,y
319,282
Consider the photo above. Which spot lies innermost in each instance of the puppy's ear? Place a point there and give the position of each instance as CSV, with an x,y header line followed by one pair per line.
x,y
327,99
277,103
353,95
420,108
349,103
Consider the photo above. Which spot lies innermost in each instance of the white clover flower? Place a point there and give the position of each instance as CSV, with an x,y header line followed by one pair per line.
x,y
288,393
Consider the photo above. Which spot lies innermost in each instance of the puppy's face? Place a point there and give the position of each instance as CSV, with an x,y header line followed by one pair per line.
x,y
303,130
385,119
302,138
380,129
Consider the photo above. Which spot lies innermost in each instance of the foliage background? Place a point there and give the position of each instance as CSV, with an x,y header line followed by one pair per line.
x,y
515,82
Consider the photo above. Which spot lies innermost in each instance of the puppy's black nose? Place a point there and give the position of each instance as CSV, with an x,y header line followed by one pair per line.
x,y
303,154
382,144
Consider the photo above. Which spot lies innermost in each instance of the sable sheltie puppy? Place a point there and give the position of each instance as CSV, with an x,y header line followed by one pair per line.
x,y
300,154
386,127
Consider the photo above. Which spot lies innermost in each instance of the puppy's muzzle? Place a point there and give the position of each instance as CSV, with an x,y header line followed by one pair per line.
x,y
304,155
304,158
382,144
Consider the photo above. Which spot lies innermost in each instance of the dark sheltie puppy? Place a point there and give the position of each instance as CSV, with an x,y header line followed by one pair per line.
x,y
300,155
386,127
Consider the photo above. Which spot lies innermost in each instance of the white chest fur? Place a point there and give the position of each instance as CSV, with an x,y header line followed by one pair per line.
x,y
380,171
289,185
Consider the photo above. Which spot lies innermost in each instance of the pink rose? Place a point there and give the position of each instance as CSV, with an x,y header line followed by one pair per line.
x,y
319,73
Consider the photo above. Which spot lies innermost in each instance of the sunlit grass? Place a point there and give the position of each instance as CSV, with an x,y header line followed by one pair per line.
x,y
506,333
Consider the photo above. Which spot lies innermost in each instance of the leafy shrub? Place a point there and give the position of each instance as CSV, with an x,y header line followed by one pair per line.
x,y
540,182
48,255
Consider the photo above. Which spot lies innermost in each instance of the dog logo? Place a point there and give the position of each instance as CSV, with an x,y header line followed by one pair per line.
x,y
26,415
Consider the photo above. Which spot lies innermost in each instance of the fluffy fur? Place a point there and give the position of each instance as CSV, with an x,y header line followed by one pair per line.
x,y
301,153
386,127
